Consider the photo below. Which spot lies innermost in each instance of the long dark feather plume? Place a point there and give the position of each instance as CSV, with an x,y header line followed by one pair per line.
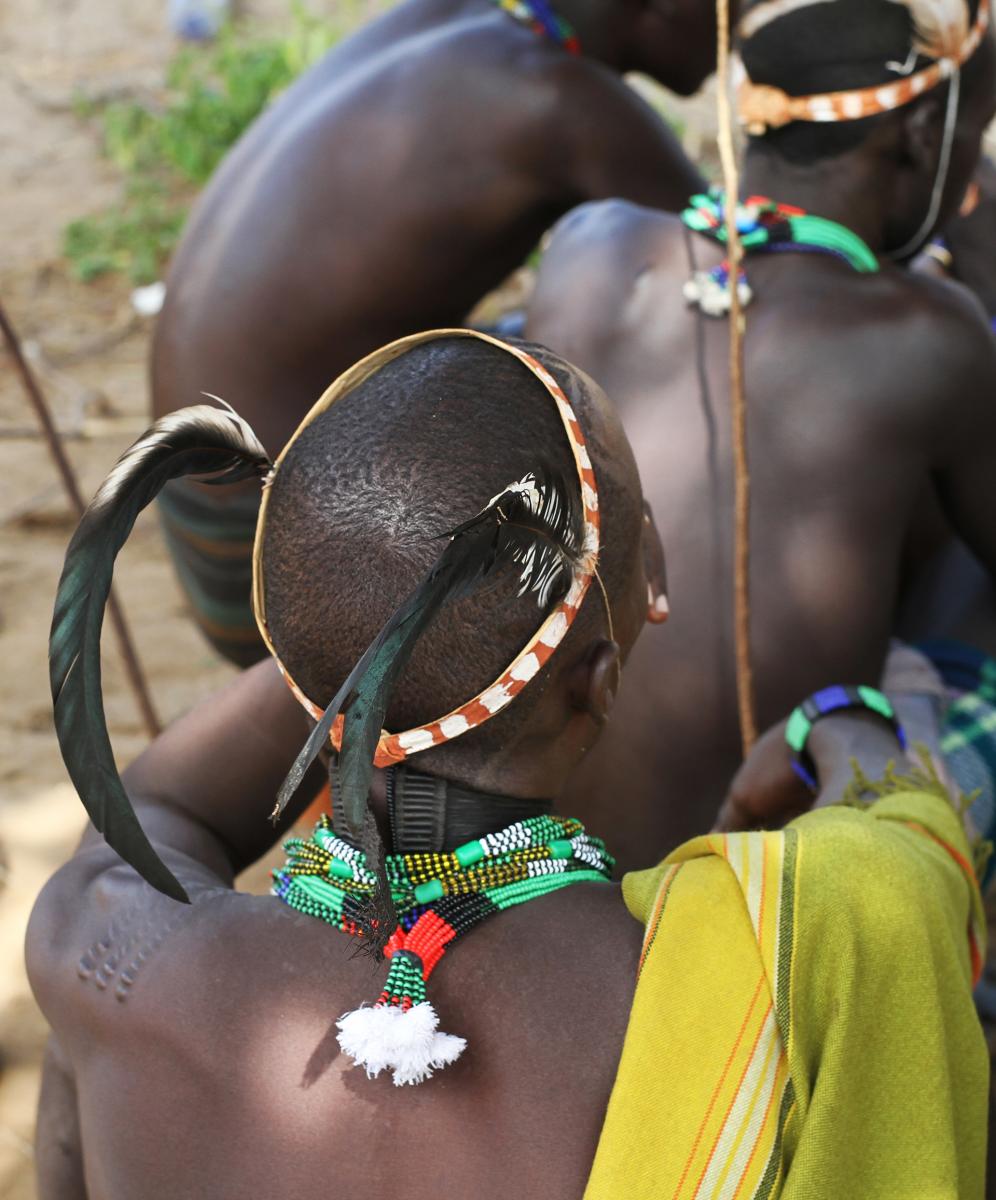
x,y
535,522
193,441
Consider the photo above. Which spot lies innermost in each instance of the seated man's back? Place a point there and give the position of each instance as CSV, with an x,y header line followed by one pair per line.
x,y
202,1049
220,1075
862,390
394,184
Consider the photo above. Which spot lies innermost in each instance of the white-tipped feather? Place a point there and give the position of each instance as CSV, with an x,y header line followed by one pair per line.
x,y
240,422
407,1043
542,561
195,441
940,27
151,444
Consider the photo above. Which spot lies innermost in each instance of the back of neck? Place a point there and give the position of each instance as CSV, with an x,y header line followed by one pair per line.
x,y
427,814
845,189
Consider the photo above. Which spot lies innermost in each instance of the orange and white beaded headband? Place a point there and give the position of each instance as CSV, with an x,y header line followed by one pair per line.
x,y
762,107
394,747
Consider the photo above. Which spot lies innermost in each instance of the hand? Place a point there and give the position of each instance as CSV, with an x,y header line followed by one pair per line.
x,y
765,791
843,738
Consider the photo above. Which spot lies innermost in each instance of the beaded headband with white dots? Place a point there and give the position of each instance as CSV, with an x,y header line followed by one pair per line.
x,y
949,42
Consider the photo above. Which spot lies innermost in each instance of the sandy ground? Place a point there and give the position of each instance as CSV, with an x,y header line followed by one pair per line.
x,y
90,351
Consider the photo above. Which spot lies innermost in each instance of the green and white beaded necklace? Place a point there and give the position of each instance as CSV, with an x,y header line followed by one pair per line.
x,y
765,227
438,897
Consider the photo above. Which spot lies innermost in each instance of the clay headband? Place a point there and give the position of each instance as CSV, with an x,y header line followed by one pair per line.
x,y
762,107
394,747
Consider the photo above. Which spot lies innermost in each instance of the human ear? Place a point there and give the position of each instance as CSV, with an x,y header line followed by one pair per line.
x,y
922,132
654,569
594,681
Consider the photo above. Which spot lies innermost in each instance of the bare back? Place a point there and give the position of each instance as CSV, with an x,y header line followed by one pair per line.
x,y
218,1074
390,188
862,391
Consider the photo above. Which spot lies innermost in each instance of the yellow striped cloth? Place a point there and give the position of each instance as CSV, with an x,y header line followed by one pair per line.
x,y
803,1023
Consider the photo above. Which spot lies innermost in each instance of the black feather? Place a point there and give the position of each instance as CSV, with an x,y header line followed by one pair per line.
x,y
192,441
539,526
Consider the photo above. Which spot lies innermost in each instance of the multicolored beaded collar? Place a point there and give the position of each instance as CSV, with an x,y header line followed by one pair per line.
x,y
394,747
765,227
438,898
762,107
543,21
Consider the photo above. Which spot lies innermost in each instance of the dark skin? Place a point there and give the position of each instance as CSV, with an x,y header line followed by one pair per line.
x,y
863,392
401,179
229,1004
971,240
218,1073
952,594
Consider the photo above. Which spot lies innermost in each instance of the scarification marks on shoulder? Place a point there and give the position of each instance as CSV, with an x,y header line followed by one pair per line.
x,y
114,962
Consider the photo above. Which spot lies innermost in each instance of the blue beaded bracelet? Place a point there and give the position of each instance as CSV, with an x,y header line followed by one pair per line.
x,y
821,704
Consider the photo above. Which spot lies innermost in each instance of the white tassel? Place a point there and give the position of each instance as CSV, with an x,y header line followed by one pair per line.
x,y
386,1037
712,296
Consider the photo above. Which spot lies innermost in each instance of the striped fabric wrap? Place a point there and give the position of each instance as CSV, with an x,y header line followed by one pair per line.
x,y
803,1023
394,747
968,732
210,539
762,107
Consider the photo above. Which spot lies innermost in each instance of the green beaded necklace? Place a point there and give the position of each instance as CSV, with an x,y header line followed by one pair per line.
x,y
765,227
438,897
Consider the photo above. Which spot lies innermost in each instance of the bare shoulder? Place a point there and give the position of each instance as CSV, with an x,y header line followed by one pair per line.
x,y
603,139
921,346
619,225
951,347
589,266
574,109
954,319
106,953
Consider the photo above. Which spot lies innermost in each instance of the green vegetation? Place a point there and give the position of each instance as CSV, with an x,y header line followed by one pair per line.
x,y
166,150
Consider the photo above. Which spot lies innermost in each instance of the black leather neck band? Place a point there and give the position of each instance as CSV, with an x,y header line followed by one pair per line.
x,y
428,814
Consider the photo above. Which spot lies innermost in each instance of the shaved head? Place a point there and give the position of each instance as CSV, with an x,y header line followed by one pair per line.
x,y
360,501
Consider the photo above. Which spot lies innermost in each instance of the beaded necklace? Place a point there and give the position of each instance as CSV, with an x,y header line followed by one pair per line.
x,y
765,227
439,897
543,21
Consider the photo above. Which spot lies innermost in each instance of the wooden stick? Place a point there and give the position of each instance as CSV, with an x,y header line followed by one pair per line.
x,y
133,669
738,405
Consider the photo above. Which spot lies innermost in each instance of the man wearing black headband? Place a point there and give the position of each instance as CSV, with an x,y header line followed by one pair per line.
x,y
868,390
394,185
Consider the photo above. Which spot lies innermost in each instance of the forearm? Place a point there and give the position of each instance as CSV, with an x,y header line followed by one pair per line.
x,y
207,785
58,1149
766,791
853,737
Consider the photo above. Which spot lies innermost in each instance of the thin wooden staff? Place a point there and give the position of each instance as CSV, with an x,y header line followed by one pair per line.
x,y
133,668
738,405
